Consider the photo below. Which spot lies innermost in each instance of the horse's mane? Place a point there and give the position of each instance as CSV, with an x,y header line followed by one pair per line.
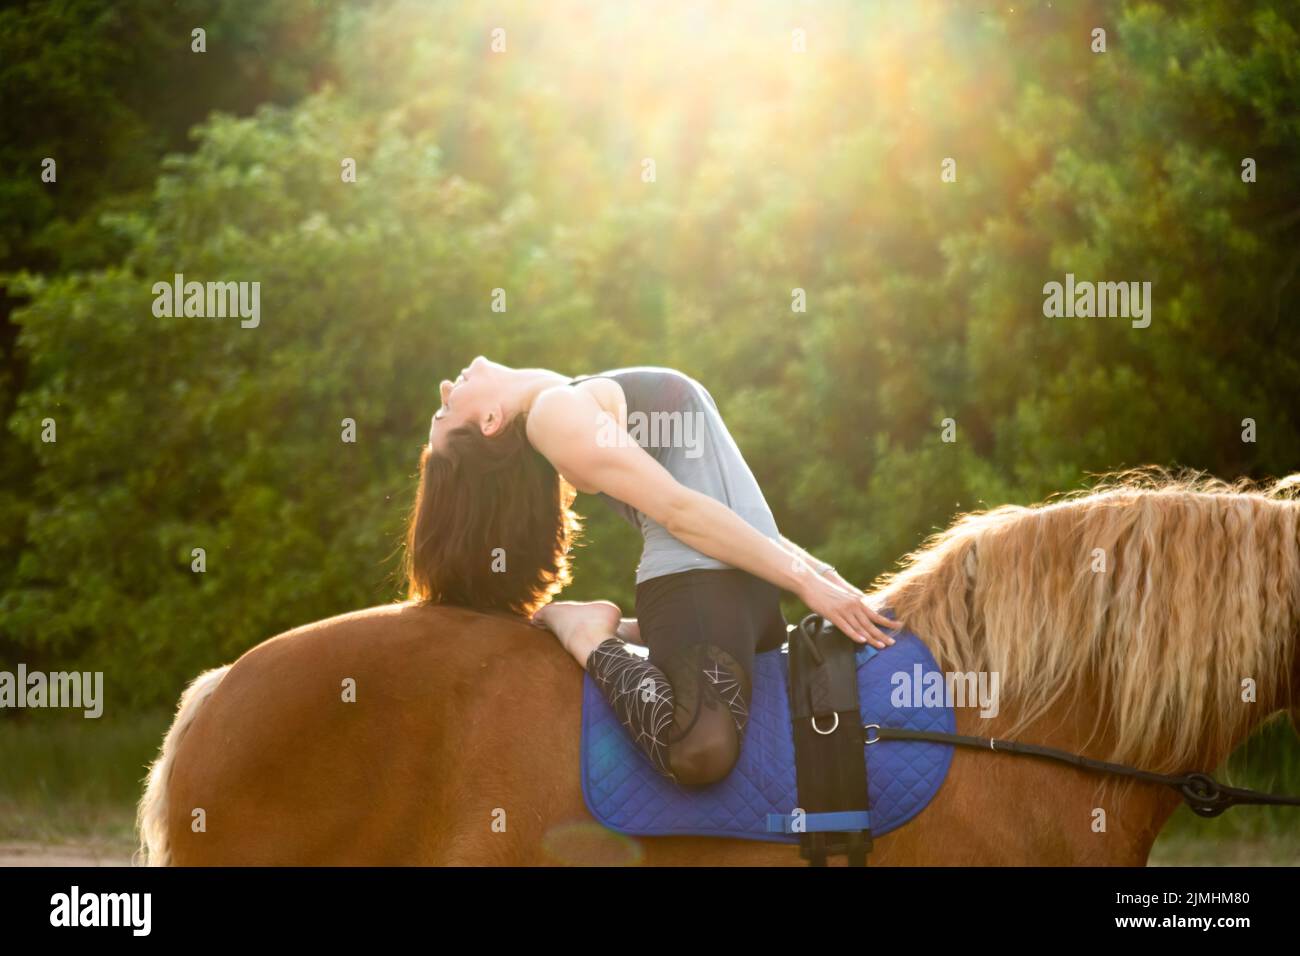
x,y
1200,590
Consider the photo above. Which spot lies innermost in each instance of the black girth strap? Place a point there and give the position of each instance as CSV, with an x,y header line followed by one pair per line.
x,y
829,744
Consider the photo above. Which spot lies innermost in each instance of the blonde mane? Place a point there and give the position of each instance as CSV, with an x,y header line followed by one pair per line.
x,y
1157,594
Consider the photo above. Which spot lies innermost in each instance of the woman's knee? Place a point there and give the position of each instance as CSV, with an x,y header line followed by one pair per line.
x,y
709,750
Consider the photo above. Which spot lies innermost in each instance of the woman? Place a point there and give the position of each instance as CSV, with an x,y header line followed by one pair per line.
x,y
492,528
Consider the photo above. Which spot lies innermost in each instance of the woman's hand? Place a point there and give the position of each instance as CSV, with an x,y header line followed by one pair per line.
x,y
835,576
847,608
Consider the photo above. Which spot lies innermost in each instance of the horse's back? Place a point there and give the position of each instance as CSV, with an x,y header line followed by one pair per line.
x,y
359,739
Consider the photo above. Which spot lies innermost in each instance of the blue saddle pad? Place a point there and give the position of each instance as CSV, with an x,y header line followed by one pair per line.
x,y
625,793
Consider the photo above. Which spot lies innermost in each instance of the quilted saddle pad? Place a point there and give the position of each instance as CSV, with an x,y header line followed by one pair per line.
x,y
625,793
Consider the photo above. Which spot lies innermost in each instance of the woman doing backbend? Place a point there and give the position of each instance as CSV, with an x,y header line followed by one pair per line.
x,y
492,529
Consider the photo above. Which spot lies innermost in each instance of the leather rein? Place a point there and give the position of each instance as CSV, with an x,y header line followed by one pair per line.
x,y
1205,795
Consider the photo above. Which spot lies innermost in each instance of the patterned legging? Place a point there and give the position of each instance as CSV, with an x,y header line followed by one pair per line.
x,y
686,704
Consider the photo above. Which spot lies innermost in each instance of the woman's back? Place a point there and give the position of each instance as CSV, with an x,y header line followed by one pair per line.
x,y
674,418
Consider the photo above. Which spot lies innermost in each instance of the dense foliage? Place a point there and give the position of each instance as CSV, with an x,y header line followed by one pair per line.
x,y
523,170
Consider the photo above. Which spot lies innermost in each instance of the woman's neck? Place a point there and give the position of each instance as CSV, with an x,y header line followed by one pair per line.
x,y
531,383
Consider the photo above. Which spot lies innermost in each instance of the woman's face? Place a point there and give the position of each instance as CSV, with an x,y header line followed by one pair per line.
x,y
470,398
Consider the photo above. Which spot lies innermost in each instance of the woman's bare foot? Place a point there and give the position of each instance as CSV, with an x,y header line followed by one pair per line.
x,y
580,625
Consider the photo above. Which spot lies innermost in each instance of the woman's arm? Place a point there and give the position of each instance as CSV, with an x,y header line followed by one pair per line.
x,y
565,425
713,528
817,565
824,568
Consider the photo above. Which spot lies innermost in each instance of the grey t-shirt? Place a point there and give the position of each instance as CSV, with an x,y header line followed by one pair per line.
x,y
674,418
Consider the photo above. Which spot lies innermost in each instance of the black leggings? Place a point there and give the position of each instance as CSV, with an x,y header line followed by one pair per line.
x,y
687,706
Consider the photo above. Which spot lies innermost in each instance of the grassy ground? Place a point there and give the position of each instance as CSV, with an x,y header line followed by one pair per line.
x,y
70,785
67,779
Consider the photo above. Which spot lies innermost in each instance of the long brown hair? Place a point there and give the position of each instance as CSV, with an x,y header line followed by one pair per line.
x,y
492,526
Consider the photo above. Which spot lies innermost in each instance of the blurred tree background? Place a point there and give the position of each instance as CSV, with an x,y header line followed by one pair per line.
x,y
522,170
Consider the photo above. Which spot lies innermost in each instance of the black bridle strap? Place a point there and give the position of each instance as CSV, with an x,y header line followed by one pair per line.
x,y
1205,795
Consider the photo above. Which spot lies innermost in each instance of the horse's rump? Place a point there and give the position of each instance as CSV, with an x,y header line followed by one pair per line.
x,y
342,741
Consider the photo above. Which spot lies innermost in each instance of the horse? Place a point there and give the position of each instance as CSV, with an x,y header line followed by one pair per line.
x,y
1152,622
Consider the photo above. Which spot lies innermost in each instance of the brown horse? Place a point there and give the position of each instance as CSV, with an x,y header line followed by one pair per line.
x,y
1148,622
